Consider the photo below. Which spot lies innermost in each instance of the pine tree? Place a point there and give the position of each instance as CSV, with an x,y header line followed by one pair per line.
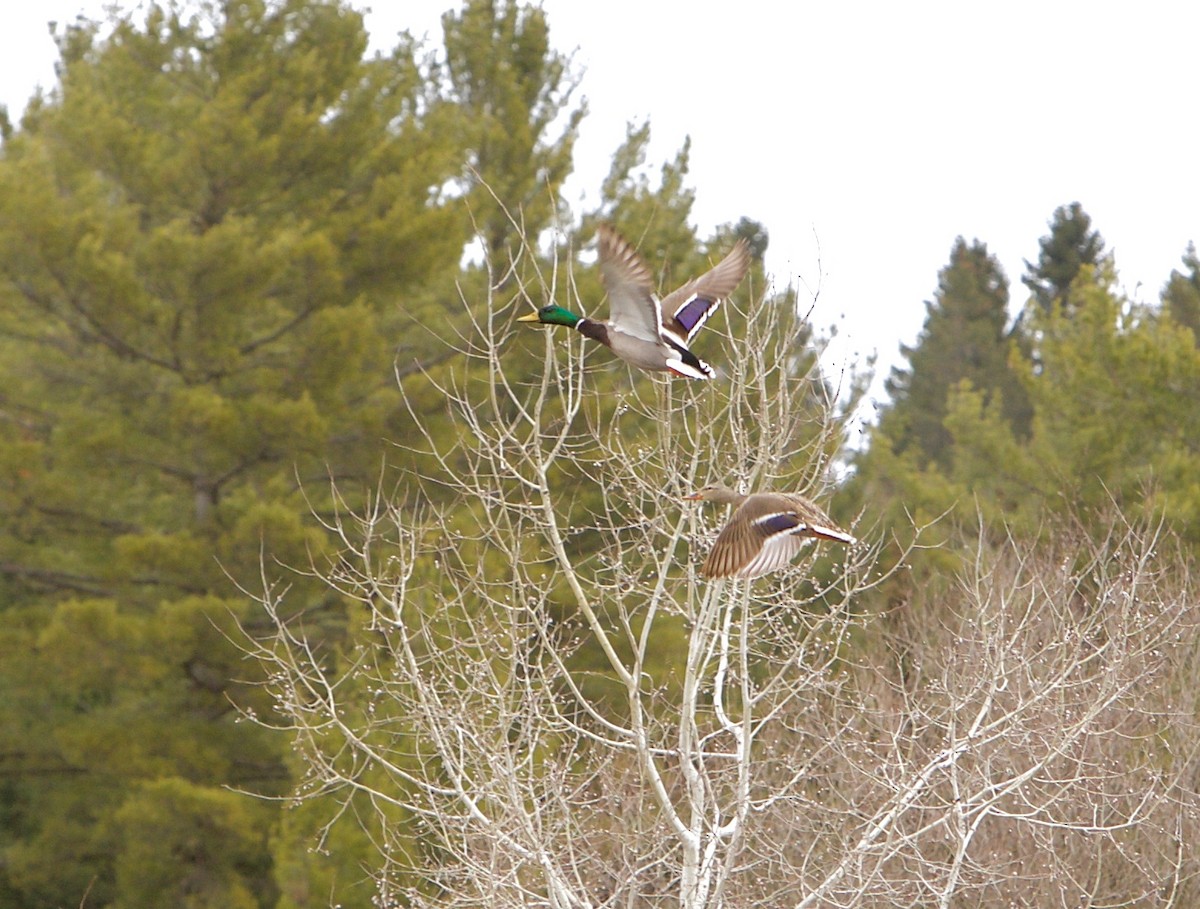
x,y
965,338
1070,245
1114,408
654,214
204,232
512,88
1181,296
1112,423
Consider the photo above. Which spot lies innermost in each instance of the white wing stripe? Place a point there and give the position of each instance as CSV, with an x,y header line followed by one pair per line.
x,y
832,533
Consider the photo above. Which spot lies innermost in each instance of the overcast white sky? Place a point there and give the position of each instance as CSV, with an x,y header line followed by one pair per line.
x,y
878,130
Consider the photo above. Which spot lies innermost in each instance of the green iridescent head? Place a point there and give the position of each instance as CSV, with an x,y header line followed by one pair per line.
x,y
551,315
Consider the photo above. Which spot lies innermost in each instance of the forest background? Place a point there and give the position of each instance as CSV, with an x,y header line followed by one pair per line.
x,y
244,270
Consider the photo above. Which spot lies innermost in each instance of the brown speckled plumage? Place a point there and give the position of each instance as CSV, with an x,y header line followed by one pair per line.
x,y
765,531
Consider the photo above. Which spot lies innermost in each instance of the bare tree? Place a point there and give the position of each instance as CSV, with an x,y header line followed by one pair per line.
x,y
544,706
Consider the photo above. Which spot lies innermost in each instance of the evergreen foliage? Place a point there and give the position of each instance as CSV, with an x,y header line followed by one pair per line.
x,y
511,88
1181,295
1111,425
1084,406
1070,245
653,216
965,339
204,232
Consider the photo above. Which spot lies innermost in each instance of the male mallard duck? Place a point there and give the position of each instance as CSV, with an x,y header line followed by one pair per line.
x,y
764,533
637,331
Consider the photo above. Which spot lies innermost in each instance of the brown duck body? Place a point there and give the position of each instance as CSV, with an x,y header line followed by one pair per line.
x,y
765,532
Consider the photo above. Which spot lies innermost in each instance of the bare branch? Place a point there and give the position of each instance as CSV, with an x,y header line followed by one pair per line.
x,y
540,688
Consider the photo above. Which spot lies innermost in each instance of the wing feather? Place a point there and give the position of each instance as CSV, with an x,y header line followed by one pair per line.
x,y
633,307
689,307
765,533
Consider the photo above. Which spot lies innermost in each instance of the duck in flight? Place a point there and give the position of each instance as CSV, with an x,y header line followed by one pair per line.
x,y
765,532
642,330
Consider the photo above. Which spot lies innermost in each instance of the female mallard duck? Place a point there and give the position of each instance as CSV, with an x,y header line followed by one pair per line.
x,y
764,533
638,332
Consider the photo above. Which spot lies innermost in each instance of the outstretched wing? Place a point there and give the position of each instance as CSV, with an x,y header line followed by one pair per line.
x,y
689,307
766,533
750,549
633,308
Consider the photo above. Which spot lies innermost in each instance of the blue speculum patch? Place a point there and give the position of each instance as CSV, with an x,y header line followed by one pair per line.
x,y
691,313
778,523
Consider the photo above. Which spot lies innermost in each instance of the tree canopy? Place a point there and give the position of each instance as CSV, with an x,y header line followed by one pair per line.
x,y
1181,295
1105,387
966,338
1070,245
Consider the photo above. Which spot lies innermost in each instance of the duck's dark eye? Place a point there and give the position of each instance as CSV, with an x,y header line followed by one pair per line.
x,y
546,310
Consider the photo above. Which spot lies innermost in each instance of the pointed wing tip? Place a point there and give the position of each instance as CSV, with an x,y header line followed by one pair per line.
x,y
740,254
611,243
